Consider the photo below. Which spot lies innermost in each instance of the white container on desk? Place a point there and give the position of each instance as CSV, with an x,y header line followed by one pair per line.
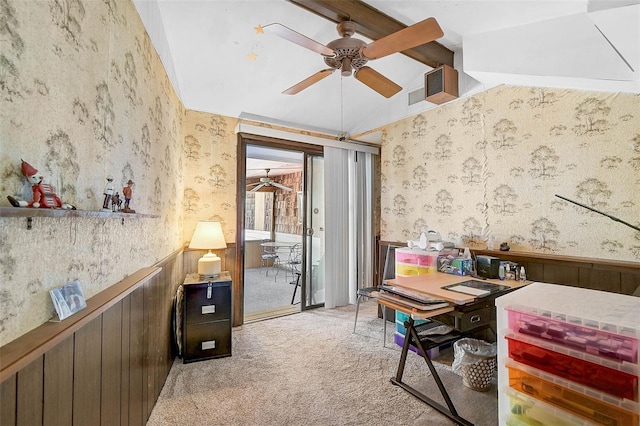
x,y
602,312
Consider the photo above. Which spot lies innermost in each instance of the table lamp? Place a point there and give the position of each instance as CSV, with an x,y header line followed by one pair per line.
x,y
208,236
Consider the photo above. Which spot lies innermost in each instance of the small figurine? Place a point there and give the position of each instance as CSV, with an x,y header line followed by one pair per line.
x,y
116,202
44,194
127,191
108,194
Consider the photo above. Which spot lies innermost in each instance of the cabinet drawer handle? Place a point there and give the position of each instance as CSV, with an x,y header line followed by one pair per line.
x,y
210,344
209,309
474,318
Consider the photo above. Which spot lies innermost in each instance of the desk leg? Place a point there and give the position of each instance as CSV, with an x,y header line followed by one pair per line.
x,y
384,327
450,410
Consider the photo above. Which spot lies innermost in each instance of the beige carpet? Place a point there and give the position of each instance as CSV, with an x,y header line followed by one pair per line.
x,y
310,369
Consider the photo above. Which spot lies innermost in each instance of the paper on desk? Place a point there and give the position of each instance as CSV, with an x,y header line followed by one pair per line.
x,y
468,290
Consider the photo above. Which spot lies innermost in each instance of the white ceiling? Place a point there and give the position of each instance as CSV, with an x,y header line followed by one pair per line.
x,y
278,161
205,47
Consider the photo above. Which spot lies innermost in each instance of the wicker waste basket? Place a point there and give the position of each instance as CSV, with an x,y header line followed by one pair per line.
x,y
475,361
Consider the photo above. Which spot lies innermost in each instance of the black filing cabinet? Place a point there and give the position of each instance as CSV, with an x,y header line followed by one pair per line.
x,y
206,317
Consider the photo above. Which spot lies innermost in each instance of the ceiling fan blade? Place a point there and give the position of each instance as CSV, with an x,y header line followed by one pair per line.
x,y
281,186
308,82
421,33
377,81
258,187
252,184
299,39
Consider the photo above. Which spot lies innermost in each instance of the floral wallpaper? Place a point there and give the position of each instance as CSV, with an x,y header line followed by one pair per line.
x,y
210,146
485,170
83,97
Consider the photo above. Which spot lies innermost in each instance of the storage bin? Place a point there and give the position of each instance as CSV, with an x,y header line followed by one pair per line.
x,y
574,401
431,353
525,411
416,257
406,270
614,382
574,336
401,317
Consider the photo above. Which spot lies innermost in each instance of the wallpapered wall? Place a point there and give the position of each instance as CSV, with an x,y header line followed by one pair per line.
x,y
210,147
486,168
83,96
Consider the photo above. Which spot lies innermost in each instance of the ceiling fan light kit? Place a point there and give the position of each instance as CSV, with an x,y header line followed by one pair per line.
x,y
350,55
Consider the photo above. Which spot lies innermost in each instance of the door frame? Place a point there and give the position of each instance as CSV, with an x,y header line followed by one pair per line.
x,y
245,139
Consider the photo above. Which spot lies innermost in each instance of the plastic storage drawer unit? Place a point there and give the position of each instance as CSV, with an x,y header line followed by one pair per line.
x,y
576,402
577,337
614,382
525,411
416,257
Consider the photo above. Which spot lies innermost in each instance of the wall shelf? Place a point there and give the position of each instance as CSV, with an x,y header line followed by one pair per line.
x,y
38,212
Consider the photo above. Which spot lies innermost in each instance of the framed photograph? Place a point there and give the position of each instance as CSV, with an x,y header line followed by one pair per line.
x,y
68,299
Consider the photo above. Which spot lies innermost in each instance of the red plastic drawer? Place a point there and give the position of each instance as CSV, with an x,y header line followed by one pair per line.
x,y
576,337
608,380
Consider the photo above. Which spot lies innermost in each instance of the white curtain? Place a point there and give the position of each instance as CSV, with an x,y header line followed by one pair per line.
x,y
349,225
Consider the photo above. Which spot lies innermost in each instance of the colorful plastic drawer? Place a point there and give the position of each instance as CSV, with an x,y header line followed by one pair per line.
x,y
431,353
401,317
403,269
614,382
577,337
577,403
416,257
529,411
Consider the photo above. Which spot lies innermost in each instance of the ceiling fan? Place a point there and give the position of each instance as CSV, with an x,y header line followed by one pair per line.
x,y
267,182
350,55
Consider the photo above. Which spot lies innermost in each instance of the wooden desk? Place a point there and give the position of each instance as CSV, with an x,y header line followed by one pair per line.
x,y
432,284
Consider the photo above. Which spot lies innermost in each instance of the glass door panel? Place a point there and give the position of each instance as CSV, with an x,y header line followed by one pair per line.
x,y
313,289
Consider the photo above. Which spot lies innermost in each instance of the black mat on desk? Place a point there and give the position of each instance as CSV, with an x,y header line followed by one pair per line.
x,y
480,285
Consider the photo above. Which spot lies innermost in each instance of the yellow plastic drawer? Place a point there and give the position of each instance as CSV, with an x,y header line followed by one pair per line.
x,y
406,270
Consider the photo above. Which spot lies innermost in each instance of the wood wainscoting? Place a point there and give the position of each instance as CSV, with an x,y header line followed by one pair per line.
x,y
105,365
596,274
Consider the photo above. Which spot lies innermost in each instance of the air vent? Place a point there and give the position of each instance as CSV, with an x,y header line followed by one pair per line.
x,y
416,96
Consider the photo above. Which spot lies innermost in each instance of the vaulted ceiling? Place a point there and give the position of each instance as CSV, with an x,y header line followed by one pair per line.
x,y
219,63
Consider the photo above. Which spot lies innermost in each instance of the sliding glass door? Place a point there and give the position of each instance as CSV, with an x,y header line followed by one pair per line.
x,y
313,288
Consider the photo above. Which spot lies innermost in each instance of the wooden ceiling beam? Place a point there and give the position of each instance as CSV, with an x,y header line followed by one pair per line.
x,y
374,24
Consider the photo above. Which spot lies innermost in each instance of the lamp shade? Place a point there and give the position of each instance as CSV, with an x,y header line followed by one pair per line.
x,y
208,236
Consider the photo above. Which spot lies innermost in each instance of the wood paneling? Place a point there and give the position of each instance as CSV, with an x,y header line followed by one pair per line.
x,y
105,365
125,381
87,357
111,366
30,394
136,358
8,401
58,384
629,283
